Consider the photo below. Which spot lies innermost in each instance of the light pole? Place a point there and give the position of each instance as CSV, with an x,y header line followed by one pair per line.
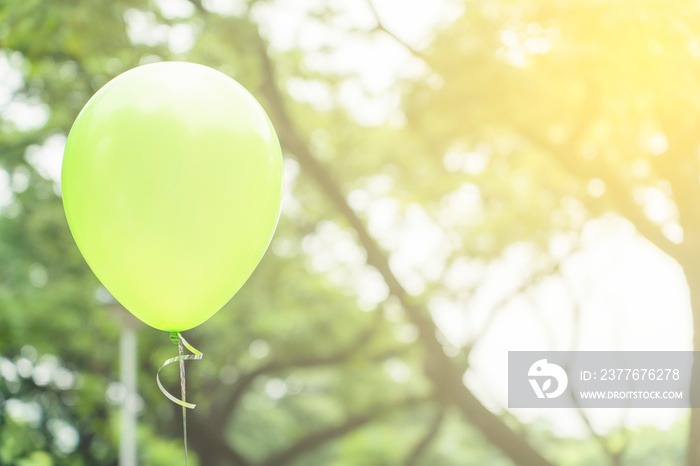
x,y
127,373
127,377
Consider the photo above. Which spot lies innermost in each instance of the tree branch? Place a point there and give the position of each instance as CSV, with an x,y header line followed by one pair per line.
x,y
226,410
198,5
616,188
381,27
615,185
427,439
532,280
438,366
680,166
209,443
317,439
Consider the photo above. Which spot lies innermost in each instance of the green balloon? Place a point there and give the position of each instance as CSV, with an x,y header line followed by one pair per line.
x,y
172,183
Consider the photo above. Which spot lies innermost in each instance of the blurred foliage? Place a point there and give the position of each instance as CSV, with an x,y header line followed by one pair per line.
x,y
313,362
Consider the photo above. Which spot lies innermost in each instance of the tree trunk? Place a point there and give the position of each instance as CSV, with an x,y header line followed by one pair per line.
x,y
692,273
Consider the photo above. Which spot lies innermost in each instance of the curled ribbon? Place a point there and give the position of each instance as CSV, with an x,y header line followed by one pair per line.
x,y
176,338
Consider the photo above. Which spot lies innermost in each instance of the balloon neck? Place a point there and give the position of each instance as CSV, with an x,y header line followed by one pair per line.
x,y
175,337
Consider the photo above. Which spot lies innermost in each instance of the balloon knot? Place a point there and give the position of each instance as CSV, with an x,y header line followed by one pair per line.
x,y
175,337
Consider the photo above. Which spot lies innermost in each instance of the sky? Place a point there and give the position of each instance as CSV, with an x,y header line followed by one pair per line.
x,y
615,290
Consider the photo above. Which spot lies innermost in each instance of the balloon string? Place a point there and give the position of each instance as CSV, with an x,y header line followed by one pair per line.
x,y
176,338
184,397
